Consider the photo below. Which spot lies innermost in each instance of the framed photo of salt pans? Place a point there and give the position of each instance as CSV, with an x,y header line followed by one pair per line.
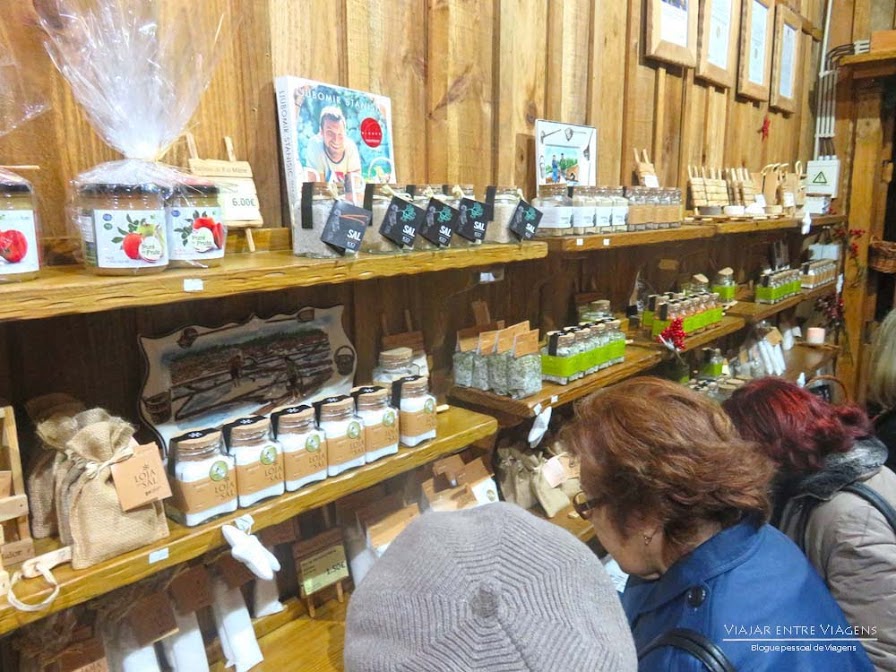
x,y
754,72
717,41
786,65
672,31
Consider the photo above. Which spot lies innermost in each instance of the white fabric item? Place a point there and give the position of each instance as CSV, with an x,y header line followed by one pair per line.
x,y
539,427
248,550
266,598
360,557
235,630
123,654
185,650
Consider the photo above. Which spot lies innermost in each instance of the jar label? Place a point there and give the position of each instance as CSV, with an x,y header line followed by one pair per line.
x,y
402,221
604,216
384,434
348,447
298,464
18,242
260,475
419,422
583,216
441,223
206,493
525,220
195,234
619,215
124,239
473,220
556,217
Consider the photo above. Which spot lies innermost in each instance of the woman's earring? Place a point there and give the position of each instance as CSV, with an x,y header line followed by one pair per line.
x,y
648,538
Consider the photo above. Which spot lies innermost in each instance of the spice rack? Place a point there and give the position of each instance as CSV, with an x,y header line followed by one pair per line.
x,y
457,428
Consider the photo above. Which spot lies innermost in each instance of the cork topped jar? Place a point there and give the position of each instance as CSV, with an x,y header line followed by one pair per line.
x,y
304,446
394,365
19,252
418,411
202,478
259,459
381,431
346,445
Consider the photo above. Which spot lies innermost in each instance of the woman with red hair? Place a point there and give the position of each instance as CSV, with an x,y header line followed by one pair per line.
x,y
828,462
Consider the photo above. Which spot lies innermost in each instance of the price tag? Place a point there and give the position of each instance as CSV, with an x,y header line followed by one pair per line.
x,y
440,224
553,472
193,285
152,619
580,242
234,573
606,242
323,569
239,199
141,479
525,221
651,180
473,220
158,556
191,590
402,222
345,227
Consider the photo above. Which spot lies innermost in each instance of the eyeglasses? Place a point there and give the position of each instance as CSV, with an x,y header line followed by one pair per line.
x,y
583,505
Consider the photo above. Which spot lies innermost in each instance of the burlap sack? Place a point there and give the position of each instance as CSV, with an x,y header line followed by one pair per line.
x,y
39,485
57,403
552,500
100,529
515,471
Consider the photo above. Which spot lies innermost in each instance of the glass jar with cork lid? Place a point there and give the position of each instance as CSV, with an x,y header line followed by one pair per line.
x,y
19,251
304,446
381,429
394,365
380,204
202,478
506,200
318,199
259,459
346,445
417,411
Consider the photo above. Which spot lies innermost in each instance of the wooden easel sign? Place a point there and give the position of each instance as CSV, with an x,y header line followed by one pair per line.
x,y
321,563
239,197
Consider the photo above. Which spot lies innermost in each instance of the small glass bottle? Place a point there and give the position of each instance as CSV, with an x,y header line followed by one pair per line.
x,y
506,201
196,232
556,209
304,446
394,365
19,248
381,428
346,446
620,209
375,242
202,478
259,459
616,342
675,209
312,219
417,412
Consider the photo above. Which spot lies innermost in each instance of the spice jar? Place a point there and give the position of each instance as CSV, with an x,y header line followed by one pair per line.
x,y
19,251
507,199
259,460
202,478
557,363
603,212
616,342
417,411
346,447
318,199
556,210
122,228
381,433
304,446
584,202
457,193
196,234
375,242
620,209
394,365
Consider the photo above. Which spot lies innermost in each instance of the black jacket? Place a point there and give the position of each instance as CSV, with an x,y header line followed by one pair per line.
x,y
885,427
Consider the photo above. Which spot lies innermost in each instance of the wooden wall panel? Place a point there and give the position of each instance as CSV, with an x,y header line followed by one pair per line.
x,y
608,69
569,32
308,39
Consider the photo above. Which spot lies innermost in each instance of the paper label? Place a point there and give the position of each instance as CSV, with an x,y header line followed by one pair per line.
x,y
384,434
473,220
756,70
205,493
402,222
18,242
554,472
260,475
604,216
152,618
525,221
345,227
440,224
719,33
323,569
556,217
195,234
673,24
651,180
419,422
125,239
239,199
788,56
583,216
487,342
525,344
298,464
349,447
191,590
141,479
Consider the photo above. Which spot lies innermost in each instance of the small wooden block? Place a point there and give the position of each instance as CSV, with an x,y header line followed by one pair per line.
x,y
14,552
13,507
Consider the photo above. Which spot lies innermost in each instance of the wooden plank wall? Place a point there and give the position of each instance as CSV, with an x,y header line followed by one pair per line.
x,y
467,79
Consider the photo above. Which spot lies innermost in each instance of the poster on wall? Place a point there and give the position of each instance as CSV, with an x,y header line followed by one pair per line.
x,y
329,133
565,153
672,31
717,41
787,63
753,76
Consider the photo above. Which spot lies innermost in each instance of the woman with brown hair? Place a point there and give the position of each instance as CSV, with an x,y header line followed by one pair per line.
x,y
680,501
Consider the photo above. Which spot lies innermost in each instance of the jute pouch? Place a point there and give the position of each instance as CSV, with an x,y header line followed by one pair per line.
x,y
100,529
552,500
516,471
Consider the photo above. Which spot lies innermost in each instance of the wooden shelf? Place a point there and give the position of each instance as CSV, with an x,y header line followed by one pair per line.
x,y
65,290
777,224
574,524
873,64
803,358
755,312
728,325
637,359
457,429
610,241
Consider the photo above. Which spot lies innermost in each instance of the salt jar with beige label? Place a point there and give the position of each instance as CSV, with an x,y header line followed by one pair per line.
x,y
202,477
346,445
304,446
259,460
380,421
417,417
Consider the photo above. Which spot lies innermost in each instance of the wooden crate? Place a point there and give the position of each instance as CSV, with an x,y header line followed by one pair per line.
x,y
16,544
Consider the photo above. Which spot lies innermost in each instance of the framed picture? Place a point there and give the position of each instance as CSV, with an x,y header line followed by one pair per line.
x,y
788,38
565,153
757,21
717,41
672,31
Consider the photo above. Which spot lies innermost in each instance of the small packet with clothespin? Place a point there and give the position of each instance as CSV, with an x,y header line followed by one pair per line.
x,y
646,172
395,222
499,362
697,187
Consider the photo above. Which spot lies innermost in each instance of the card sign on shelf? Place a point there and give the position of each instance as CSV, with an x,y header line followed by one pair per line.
x,y
525,221
473,220
440,223
402,222
321,563
345,227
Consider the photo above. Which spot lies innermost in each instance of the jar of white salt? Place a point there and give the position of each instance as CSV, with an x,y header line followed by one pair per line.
x,y
506,201
202,477
259,459
346,445
381,431
375,242
318,199
417,411
304,446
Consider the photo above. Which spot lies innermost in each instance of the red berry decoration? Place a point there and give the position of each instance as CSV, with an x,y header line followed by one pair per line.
x,y
674,334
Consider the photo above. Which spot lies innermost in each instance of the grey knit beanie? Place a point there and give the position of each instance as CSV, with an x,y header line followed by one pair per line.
x,y
492,588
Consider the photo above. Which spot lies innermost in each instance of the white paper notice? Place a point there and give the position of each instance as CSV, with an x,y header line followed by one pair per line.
x,y
788,55
719,33
756,73
674,22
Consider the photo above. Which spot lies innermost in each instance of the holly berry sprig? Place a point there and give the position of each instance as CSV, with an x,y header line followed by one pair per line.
x,y
673,336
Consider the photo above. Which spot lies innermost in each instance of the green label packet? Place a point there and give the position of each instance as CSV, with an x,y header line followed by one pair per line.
x,y
647,318
693,323
725,292
560,367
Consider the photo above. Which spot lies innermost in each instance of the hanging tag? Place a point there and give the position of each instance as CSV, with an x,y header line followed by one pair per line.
x,y
473,220
191,590
440,224
525,221
553,472
141,479
402,222
283,533
345,227
234,572
152,619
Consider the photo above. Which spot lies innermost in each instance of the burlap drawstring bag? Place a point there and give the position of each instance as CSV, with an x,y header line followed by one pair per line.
x,y
516,470
552,500
100,529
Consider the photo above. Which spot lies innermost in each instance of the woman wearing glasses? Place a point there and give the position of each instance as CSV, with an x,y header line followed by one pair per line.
x,y
681,502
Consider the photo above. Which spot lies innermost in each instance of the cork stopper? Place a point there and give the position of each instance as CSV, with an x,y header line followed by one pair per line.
x,y
419,385
294,417
337,408
196,442
396,357
247,428
370,396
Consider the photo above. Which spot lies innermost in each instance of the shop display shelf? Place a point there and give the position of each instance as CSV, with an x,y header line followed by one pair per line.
x,y
756,312
804,358
637,360
65,290
610,241
570,521
776,224
457,429
728,325
872,64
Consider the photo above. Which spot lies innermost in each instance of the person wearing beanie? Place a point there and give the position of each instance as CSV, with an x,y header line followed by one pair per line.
x,y
487,589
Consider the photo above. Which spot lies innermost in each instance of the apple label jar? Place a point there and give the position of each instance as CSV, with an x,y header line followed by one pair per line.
x,y
259,460
346,445
202,477
122,228
304,446
196,234
19,258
